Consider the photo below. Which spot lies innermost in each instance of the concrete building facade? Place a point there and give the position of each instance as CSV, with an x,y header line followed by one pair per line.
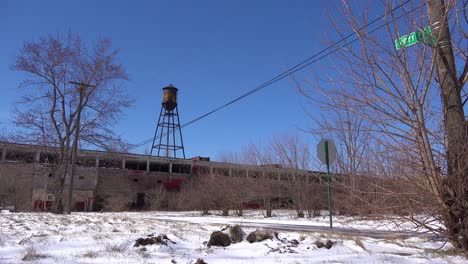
x,y
27,184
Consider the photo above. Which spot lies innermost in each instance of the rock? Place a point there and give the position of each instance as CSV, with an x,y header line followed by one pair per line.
x,y
327,244
150,240
218,238
144,241
236,233
319,244
200,261
258,236
294,242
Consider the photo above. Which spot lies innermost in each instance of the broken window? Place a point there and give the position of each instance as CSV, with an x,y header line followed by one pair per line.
x,y
135,165
109,163
161,167
181,168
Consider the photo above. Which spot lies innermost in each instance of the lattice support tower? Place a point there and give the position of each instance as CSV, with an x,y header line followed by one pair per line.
x,y
167,141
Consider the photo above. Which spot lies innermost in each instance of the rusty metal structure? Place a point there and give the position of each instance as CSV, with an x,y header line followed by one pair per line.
x,y
167,139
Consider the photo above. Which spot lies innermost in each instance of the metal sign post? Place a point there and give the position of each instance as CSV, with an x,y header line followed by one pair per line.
x,y
326,152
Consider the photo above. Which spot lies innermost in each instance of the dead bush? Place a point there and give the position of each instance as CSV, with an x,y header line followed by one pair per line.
x,y
31,254
116,202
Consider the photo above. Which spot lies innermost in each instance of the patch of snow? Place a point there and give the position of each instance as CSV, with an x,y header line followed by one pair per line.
x,y
110,238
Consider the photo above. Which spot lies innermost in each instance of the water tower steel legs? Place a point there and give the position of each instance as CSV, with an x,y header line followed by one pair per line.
x,y
167,126
180,132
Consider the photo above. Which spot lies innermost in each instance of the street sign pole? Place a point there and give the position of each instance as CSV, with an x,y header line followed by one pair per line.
x,y
326,153
328,187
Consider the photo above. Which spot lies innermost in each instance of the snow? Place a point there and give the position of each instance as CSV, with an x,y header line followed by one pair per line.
x,y
110,238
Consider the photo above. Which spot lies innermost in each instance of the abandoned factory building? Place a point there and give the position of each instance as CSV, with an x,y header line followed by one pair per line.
x,y
27,184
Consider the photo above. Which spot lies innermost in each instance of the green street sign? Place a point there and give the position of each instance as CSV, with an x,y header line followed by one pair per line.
x,y
423,35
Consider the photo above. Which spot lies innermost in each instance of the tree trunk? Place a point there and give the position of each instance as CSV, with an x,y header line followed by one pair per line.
x,y
455,189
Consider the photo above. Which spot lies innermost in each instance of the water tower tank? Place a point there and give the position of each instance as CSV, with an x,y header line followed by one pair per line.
x,y
169,97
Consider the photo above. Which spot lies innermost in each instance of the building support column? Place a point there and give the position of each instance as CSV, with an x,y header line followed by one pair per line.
x,y
4,154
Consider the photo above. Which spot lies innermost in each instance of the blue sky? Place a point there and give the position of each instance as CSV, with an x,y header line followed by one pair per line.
x,y
213,51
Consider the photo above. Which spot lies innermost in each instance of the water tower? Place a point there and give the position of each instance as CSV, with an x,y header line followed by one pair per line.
x,y
168,135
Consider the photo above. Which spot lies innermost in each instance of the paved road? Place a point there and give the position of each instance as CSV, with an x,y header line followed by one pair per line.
x,y
373,233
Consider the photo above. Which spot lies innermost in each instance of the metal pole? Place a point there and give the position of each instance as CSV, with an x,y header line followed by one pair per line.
x,y
162,130
328,187
180,132
168,132
156,132
173,135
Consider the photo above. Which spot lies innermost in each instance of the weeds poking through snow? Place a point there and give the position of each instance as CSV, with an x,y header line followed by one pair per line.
x,y
90,254
30,254
116,247
24,240
359,243
143,252
3,240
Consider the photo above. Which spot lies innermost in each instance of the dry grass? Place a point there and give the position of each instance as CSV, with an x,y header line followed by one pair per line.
x,y
359,243
445,253
24,241
121,247
31,254
143,252
3,239
90,254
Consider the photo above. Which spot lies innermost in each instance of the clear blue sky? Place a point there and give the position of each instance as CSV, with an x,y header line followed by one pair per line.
x,y
212,51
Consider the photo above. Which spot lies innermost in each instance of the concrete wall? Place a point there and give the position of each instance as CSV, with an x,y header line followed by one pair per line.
x,y
128,183
16,185
24,180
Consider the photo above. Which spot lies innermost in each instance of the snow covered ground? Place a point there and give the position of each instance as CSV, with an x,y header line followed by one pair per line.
x,y
110,238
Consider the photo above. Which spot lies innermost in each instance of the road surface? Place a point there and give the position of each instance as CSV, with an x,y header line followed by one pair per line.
x,y
372,233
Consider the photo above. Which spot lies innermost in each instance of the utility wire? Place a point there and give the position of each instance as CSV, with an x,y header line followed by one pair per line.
x,y
301,65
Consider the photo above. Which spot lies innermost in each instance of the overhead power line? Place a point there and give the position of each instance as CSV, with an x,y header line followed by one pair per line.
x,y
299,66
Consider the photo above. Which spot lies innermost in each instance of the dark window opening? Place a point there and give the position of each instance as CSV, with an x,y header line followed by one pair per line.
x,y
200,170
313,178
135,180
239,173
284,177
107,163
86,162
140,200
180,168
255,174
301,178
135,165
24,156
161,167
221,171
49,158
272,176
81,177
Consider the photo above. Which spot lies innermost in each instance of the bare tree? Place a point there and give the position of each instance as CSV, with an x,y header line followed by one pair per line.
x,y
293,153
74,98
287,151
411,101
